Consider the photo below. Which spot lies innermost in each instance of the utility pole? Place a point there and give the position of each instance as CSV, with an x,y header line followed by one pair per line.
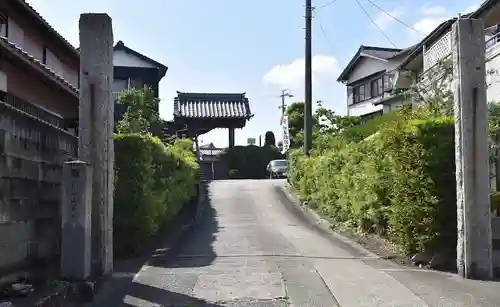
x,y
474,245
308,81
284,93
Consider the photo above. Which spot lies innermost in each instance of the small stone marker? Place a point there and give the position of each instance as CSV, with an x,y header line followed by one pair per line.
x,y
76,220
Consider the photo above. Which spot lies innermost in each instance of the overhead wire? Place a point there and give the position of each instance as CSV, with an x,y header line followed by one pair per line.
x,y
322,29
327,4
393,17
376,25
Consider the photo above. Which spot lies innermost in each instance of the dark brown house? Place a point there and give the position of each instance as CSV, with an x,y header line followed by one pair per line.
x,y
38,67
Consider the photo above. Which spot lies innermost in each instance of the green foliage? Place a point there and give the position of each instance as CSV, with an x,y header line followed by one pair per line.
x,y
152,182
399,182
142,115
495,203
269,139
233,173
249,162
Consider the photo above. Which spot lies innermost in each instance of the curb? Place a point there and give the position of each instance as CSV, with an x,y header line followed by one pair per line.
x,y
323,225
173,240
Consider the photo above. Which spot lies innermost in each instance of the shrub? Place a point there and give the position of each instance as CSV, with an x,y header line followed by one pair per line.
x,y
399,182
152,182
249,162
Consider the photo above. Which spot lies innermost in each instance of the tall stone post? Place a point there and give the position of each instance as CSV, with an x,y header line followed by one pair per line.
x,y
76,220
96,130
474,246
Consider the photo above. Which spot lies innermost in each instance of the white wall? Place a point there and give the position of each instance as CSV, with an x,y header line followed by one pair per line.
x,y
121,58
365,107
368,66
493,76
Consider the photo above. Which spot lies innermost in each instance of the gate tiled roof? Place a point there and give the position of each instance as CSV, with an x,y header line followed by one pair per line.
x,y
212,105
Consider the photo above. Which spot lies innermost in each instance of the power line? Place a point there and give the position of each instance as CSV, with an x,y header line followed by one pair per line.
x,y
327,4
373,21
315,15
393,17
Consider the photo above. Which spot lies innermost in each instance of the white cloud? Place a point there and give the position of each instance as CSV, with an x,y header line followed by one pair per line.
x,y
434,15
384,20
291,75
433,10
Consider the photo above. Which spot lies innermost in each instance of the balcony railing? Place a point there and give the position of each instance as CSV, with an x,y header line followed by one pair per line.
x,y
32,109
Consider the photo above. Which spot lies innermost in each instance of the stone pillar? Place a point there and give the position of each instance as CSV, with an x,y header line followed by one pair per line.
x,y
76,220
474,246
231,137
96,129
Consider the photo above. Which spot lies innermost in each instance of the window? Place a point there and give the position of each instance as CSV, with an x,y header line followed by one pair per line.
x,y
377,87
388,80
136,83
359,93
3,25
44,55
119,85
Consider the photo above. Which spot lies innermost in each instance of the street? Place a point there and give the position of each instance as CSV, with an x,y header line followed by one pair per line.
x,y
253,248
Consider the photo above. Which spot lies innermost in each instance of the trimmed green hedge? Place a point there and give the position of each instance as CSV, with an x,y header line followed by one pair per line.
x,y
399,182
152,183
249,162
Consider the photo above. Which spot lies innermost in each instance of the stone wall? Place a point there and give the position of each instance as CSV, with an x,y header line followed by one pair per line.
x,y
32,152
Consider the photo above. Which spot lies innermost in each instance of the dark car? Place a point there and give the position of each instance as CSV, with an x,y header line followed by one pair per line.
x,y
277,169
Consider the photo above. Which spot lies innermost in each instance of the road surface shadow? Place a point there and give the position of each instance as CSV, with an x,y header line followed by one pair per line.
x,y
195,248
124,291
126,288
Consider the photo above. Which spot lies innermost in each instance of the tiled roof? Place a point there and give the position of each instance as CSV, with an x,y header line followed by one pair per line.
x,y
51,30
218,106
9,46
212,152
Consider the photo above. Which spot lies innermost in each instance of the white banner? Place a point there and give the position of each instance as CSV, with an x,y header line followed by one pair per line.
x,y
286,134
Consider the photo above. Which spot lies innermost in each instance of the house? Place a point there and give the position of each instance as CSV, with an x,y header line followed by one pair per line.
x,y
38,67
133,69
38,109
437,47
370,78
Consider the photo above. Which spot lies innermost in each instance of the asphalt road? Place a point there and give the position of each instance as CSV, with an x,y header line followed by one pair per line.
x,y
254,248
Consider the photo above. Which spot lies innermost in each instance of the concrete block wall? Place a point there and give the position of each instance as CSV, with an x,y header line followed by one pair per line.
x,y
31,157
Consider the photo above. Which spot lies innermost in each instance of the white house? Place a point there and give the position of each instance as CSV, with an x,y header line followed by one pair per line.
x,y
437,46
370,78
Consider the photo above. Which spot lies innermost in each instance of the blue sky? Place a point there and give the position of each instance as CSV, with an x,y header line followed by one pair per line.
x,y
255,46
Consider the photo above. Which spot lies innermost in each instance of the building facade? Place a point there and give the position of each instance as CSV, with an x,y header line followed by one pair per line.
x,y
370,79
134,70
38,67
38,109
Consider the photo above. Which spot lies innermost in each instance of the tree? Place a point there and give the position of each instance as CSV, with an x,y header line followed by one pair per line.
x,y
494,133
269,139
330,123
295,113
141,113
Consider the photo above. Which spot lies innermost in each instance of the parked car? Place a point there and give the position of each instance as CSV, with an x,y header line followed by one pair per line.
x,y
277,169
